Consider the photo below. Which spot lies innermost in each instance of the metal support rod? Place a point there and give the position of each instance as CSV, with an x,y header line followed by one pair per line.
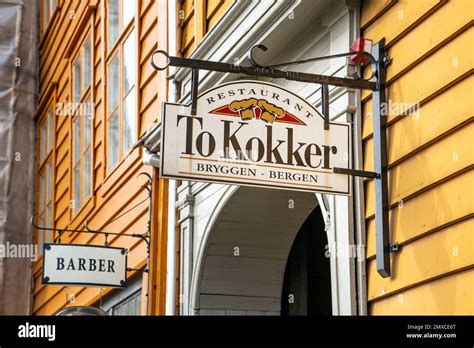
x,y
314,59
325,105
260,71
380,164
134,235
138,270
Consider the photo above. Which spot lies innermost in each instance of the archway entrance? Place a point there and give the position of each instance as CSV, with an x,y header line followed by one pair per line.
x,y
241,270
307,281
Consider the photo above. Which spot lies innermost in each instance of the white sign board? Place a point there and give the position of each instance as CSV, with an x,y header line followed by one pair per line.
x,y
85,265
256,134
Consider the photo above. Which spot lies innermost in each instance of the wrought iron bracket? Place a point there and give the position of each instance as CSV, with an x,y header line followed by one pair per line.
x,y
375,83
325,105
145,270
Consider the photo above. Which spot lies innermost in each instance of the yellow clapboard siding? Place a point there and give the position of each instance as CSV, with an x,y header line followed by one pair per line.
x,y
62,200
450,201
373,8
432,120
214,16
149,92
187,45
188,8
148,47
145,7
49,57
121,189
62,151
450,295
423,38
200,20
61,121
212,7
438,161
439,253
194,25
63,132
186,16
145,73
148,18
149,116
432,74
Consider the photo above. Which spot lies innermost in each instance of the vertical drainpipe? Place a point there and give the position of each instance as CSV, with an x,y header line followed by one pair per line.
x,y
171,244
358,186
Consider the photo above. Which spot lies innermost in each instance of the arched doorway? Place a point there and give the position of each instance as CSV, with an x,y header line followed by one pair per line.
x,y
241,269
307,281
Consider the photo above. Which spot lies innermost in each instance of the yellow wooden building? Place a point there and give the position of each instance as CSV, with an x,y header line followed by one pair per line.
x,y
95,54
99,95
430,154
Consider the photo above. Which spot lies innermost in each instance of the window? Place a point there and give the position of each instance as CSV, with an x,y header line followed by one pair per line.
x,y
120,14
82,126
48,7
45,175
121,80
82,71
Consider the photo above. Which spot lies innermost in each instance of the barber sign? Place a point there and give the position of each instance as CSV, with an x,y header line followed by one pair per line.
x,y
256,134
84,265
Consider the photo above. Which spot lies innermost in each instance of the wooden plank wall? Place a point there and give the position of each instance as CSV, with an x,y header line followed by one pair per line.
x,y
116,192
430,156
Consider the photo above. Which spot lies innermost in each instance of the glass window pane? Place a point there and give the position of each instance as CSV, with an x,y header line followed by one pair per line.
x,y
128,11
87,123
128,124
113,142
77,80
113,21
113,83
43,139
129,65
77,139
77,188
87,173
51,130
87,63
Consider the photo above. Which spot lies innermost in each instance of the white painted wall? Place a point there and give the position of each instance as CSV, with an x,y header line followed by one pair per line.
x,y
292,30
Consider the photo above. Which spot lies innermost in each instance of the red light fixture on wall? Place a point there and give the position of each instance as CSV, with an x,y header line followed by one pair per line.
x,y
361,44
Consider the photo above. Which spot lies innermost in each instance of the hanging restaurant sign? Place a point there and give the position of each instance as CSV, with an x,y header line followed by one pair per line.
x,y
254,133
69,264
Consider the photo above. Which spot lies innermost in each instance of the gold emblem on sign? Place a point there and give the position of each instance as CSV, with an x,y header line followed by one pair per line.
x,y
245,108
